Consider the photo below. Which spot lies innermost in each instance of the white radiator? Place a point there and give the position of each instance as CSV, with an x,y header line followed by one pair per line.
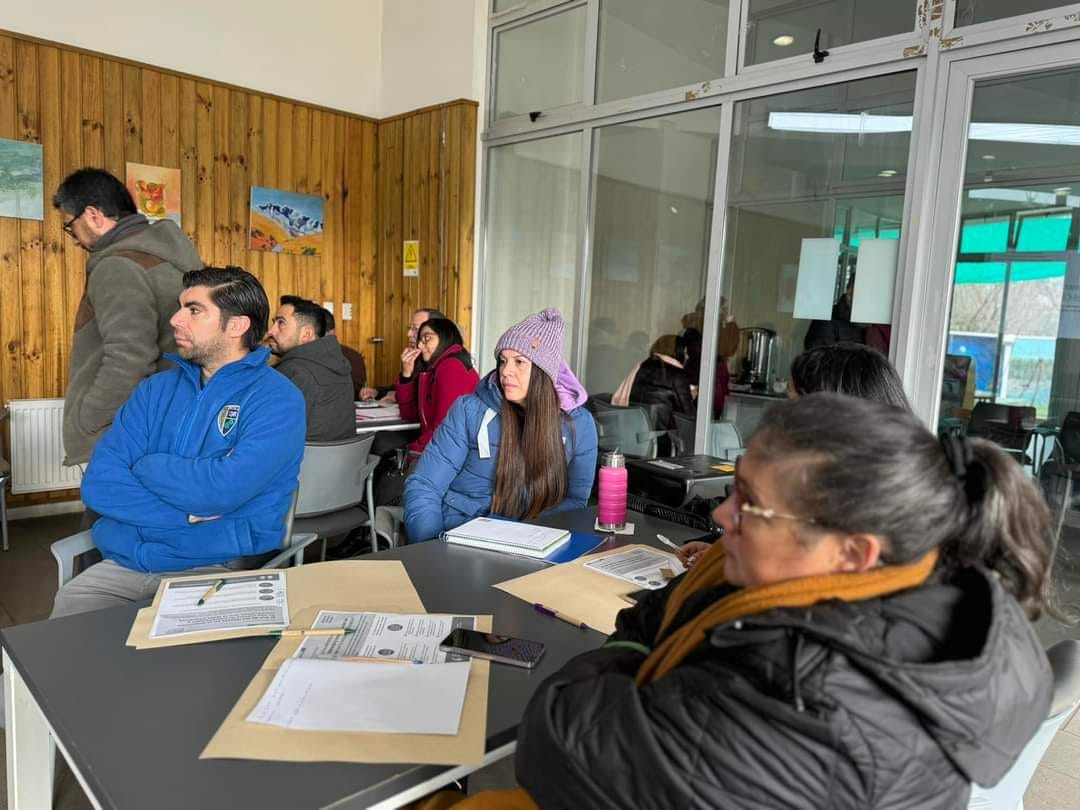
x,y
37,447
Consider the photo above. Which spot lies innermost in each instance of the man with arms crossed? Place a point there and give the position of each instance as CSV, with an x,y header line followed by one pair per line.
x,y
199,467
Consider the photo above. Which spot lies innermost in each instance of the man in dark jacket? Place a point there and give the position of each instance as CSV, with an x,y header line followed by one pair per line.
x,y
314,362
133,279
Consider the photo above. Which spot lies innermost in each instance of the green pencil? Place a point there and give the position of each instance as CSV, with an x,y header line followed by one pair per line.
x,y
213,589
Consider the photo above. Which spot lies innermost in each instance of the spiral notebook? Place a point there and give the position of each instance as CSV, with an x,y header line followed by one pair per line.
x,y
509,537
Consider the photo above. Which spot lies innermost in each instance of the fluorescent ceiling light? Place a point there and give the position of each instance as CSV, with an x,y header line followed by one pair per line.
x,y
887,173
1019,195
783,40
870,124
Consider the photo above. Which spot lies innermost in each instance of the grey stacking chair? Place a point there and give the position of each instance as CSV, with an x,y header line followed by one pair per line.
x,y
336,488
1008,794
293,546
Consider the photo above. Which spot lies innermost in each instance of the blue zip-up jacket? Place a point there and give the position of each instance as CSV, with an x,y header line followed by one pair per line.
x,y
178,451
455,478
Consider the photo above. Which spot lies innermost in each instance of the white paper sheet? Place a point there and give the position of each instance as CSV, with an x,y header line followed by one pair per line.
x,y
640,566
257,600
409,636
316,695
816,281
377,413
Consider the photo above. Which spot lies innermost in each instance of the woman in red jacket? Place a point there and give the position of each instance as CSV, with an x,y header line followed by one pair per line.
x,y
433,376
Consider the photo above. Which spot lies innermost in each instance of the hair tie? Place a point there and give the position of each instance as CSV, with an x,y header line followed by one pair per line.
x,y
961,460
957,453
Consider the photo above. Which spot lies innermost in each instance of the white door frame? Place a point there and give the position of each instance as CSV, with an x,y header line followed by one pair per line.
x,y
921,354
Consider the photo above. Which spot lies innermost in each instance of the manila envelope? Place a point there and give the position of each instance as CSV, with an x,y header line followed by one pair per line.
x,y
239,739
369,585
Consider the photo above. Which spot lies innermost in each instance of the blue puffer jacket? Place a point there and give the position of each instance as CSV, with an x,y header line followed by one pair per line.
x,y
455,478
192,475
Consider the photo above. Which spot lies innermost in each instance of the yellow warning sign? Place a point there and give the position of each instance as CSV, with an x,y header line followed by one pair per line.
x,y
411,258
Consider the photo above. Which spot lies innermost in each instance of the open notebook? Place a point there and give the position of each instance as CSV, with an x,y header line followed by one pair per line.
x,y
509,537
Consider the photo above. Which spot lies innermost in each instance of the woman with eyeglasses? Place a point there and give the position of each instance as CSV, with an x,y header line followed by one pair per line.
x,y
858,638
433,376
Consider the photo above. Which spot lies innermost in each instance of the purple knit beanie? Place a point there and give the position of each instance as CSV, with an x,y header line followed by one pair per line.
x,y
540,338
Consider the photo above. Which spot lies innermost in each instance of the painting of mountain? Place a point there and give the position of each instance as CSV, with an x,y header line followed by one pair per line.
x,y
21,192
286,222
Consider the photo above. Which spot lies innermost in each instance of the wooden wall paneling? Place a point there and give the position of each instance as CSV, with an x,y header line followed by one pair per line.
x,y
451,213
80,126
131,89
170,126
222,210
431,283
391,326
238,179
114,124
188,157
365,299
11,378
150,116
31,265
413,169
466,227
352,191
253,260
92,97
285,179
57,333
207,163
311,278
264,173
333,166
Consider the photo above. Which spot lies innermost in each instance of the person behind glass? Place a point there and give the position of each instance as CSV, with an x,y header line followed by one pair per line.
x,y
859,637
839,328
659,380
520,446
842,368
385,393
433,378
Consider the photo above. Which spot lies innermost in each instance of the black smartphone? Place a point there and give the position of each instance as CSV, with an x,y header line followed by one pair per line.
x,y
518,652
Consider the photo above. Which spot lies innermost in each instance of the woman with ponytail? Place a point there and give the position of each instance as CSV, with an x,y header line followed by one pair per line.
x,y
858,638
519,446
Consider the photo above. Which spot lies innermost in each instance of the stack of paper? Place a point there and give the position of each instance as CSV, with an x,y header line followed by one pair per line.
x,y
509,537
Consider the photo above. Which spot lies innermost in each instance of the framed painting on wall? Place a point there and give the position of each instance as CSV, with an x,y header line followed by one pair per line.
x,y
156,191
21,193
286,222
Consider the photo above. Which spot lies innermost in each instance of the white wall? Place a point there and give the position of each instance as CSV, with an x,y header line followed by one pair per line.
x,y
432,52
323,51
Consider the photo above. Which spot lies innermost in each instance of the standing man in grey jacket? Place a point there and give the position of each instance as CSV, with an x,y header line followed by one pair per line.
x,y
313,361
133,281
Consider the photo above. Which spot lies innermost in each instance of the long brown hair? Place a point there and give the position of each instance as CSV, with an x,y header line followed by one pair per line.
x,y
530,475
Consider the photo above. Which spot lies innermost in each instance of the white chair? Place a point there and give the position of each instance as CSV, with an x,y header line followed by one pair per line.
x,y
292,548
1008,794
388,520
336,488
725,440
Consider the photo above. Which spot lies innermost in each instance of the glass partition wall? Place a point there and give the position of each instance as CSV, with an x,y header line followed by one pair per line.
x,y
692,174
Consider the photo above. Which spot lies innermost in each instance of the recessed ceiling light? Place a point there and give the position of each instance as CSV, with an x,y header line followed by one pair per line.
x,y
989,157
783,40
1063,190
887,173
674,210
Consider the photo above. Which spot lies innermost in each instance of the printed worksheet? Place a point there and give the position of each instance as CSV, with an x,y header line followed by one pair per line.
x,y
256,600
319,695
385,636
644,567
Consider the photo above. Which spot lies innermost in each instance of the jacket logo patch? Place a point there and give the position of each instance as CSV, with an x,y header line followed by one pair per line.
x,y
226,419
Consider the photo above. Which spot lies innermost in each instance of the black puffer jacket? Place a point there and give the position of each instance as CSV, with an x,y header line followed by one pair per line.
x,y
899,702
660,383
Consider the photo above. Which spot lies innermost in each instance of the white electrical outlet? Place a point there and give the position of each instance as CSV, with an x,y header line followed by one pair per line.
x,y
328,306
346,311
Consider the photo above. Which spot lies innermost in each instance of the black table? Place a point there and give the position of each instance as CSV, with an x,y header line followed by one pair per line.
x,y
132,723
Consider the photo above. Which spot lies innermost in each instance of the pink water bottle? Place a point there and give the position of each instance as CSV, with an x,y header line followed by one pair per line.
x,y
611,513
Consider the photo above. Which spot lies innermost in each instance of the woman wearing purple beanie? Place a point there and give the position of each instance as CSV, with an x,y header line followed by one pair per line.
x,y
521,445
